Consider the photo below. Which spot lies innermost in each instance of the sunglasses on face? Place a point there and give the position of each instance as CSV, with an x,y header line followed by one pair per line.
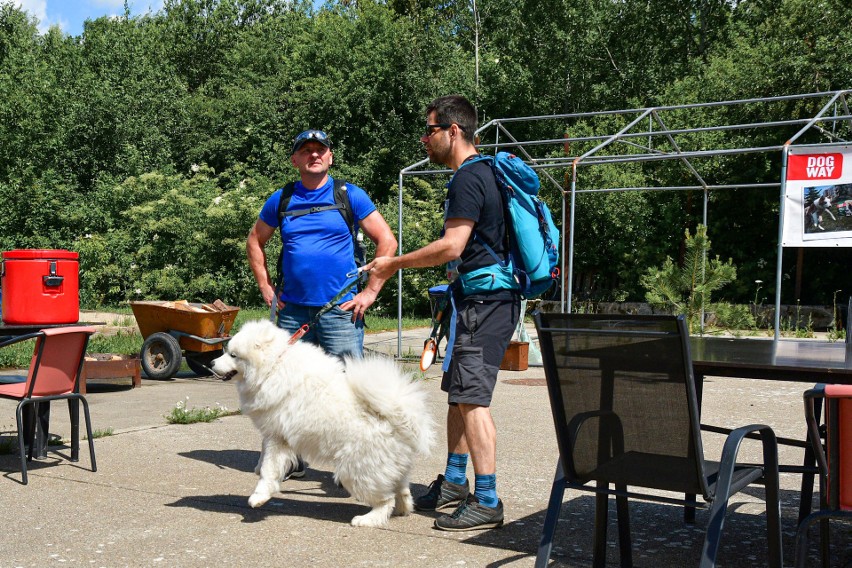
x,y
433,128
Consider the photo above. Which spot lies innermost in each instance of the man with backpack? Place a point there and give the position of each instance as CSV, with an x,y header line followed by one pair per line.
x,y
487,313
319,219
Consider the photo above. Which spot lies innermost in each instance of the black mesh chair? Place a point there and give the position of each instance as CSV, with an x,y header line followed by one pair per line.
x,y
624,405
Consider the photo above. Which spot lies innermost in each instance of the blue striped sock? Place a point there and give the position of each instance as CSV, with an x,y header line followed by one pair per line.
x,y
485,489
456,471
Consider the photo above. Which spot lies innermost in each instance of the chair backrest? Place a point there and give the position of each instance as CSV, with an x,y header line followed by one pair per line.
x,y
622,392
838,418
57,360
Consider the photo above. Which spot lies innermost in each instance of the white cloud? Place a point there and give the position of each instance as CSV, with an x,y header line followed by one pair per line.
x,y
37,8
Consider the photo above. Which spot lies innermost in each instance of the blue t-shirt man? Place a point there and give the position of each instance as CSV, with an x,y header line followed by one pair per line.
x,y
318,249
318,252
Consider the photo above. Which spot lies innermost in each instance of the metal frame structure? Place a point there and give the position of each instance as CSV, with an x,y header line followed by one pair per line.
x,y
657,134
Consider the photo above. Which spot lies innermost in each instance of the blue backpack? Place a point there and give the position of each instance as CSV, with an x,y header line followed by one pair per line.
x,y
532,265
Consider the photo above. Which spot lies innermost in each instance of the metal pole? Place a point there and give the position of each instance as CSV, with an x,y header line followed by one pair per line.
x,y
399,277
777,323
570,284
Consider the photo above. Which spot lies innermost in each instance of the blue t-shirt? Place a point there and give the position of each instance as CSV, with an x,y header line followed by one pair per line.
x,y
318,250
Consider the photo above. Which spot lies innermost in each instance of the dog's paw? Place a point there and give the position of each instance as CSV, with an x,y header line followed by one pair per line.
x,y
368,520
257,469
258,499
404,505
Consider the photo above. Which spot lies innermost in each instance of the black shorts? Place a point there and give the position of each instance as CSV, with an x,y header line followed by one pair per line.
x,y
483,331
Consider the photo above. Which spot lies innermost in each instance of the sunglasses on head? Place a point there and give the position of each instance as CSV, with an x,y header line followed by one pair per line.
x,y
317,135
307,136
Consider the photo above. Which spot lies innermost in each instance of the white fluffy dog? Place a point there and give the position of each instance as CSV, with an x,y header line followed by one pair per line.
x,y
364,418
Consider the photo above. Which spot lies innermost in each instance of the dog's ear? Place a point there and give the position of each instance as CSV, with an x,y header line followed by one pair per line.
x,y
266,333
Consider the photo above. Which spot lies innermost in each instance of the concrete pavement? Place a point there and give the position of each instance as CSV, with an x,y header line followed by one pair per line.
x,y
176,495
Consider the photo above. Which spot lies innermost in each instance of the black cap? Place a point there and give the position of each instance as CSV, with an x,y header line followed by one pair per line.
x,y
307,136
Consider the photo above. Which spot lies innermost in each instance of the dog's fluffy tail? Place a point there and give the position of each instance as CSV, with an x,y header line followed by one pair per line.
x,y
382,386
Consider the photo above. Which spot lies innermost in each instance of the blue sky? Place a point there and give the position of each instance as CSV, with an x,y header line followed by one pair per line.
x,y
70,14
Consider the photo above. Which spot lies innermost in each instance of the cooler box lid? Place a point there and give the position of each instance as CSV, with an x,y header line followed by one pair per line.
x,y
31,254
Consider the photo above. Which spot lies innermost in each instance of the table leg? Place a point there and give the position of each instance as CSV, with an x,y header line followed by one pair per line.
x,y
42,431
74,414
808,467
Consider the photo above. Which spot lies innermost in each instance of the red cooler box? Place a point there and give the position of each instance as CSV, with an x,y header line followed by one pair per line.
x,y
40,287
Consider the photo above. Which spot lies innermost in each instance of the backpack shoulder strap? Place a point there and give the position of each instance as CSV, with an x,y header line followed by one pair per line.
x,y
341,199
501,187
284,202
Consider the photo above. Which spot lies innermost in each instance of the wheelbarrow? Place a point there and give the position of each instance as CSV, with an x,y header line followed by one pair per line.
x,y
173,330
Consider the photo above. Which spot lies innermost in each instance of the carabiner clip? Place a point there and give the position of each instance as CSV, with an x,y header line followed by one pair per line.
x,y
356,273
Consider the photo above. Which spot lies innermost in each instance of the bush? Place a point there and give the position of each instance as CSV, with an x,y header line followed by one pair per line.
x,y
733,316
168,236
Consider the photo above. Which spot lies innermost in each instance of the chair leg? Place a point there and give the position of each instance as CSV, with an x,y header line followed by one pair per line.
x,y
625,545
773,514
551,518
824,545
22,436
28,432
601,515
713,536
88,432
802,537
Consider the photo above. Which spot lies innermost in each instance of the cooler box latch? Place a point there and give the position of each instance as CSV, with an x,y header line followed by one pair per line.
x,y
52,280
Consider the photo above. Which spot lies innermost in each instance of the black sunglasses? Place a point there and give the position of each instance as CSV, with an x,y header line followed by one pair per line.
x,y
430,128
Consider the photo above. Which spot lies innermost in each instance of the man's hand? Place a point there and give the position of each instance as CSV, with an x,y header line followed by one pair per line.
x,y
268,293
382,267
359,304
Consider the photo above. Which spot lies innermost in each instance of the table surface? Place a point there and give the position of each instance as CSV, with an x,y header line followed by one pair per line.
x,y
771,359
13,330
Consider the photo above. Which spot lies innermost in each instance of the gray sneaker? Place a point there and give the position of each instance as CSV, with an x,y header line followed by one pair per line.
x,y
470,515
298,471
442,494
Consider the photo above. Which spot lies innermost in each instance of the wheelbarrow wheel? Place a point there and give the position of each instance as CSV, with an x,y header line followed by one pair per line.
x,y
199,361
161,356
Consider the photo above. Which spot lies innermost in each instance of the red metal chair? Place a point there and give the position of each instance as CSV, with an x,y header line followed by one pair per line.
x,y
54,374
834,460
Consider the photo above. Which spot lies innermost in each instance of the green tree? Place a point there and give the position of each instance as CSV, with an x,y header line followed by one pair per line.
x,y
687,289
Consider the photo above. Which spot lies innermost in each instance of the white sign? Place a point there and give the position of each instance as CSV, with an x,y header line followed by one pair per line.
x,y
818,197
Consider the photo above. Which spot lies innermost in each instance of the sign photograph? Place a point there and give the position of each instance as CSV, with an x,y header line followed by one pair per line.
x,y
818,197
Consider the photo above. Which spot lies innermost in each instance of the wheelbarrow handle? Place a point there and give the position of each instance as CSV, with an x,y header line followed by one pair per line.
x,y
206,340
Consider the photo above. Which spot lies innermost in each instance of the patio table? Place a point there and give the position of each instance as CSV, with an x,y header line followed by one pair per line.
x,y
796,360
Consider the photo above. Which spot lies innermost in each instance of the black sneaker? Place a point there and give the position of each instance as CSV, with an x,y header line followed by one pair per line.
x,y
441,494
470,515
298,471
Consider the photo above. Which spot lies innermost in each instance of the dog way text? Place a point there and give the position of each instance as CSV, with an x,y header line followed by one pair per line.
x,y
814,166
